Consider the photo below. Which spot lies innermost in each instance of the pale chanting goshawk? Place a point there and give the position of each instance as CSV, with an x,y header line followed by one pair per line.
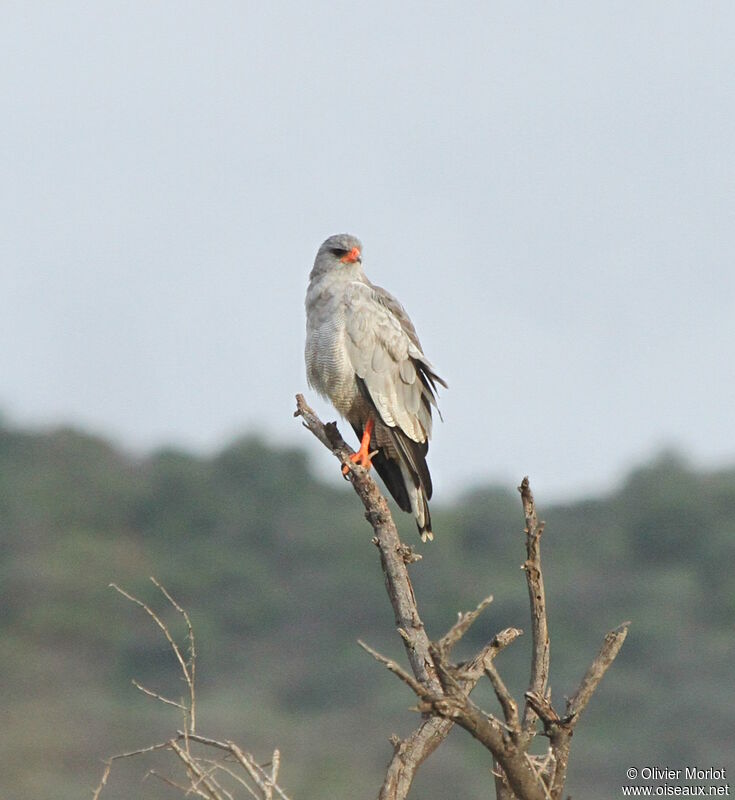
x,y
363,354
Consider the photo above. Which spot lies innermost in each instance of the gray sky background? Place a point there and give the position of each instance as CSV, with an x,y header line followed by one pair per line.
x,y
548,188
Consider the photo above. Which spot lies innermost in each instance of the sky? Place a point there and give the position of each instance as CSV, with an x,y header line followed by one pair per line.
x,y
549,189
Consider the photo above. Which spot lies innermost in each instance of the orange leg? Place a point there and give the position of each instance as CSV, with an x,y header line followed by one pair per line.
x,y
363,455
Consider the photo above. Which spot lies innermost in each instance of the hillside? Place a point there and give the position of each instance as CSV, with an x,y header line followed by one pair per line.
x,y
279,575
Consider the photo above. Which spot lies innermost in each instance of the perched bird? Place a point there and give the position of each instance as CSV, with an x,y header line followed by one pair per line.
x,y
363,354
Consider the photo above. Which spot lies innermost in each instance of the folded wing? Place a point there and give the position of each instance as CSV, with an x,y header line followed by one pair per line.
x,y
400,384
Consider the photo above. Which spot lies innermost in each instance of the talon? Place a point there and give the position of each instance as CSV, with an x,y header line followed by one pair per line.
x,y
364,455
363,458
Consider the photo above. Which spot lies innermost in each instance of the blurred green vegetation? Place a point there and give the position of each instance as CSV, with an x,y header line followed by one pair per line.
x,y
278,573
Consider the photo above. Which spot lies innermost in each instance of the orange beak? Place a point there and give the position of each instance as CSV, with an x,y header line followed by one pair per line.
x,y
352,256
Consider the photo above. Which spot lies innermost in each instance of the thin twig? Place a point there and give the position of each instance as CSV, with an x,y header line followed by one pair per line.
x,y
109,761
152,614
561,734
157,696
214,767
505,698
610,648
202,772
237,778
187,790
539,777
103,781
249,789
255,770
193,768
197,737
461,626
396,669
189,676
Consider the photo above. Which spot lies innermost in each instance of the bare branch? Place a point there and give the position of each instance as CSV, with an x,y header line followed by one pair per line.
x,y
255,770
157,696
410,753
537,597
609,650
538,771
503,639
186,790
502,787
396,669
461,626
103,780
238,778
190,675
443,688
505,698
467,674
196,737
108,763
490,733
194,769
327,434
544,710
394,557
392,551
403,764
454,704
203,773
186,671
560,730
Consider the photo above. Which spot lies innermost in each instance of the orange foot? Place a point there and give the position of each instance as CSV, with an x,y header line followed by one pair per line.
x,y
363,455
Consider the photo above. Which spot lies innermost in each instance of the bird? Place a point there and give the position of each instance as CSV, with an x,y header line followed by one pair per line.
x,y
363,354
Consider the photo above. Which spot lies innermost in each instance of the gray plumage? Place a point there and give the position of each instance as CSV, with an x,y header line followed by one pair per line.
x,y
363,354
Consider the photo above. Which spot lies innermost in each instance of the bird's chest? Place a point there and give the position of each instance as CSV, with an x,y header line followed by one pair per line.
x,y
328,367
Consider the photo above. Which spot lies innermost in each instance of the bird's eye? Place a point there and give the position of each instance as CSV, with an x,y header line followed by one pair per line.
x,y
338,251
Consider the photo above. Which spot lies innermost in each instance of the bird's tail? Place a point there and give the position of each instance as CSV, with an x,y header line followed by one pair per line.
x,y
407,478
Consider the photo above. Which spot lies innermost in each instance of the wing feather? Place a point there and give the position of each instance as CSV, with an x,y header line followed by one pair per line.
x,y
385,353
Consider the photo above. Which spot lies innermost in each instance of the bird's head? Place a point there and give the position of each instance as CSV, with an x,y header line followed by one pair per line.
x,y
337,253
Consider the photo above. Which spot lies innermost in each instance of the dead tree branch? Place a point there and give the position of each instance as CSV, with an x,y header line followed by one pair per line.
x,y
427,660
507,703
188,666
537,598
443,688
393,554
207,778
560,731
461,626
394,557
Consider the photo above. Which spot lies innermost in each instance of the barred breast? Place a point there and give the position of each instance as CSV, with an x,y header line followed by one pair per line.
x,y
328,367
